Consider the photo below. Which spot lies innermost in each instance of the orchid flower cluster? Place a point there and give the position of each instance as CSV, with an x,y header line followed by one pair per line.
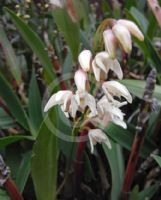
x,y
108,107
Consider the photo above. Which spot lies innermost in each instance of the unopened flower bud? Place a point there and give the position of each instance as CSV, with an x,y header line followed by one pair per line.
x,y
81,80
132,28
123,36
85,58
110,42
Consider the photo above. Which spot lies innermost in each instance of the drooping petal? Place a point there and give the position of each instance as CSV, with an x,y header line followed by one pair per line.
x,y
57,99
85,59
96,71
132,27
115,88
123,36
110,42
100,60
116,68
114,65
97,135
91,103
119,122
73,106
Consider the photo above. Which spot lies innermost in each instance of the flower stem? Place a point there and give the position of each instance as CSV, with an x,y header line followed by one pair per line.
x,y
79,157
12,190
140,134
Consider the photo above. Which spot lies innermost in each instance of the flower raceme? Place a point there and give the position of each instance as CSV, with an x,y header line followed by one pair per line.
x,y
107,108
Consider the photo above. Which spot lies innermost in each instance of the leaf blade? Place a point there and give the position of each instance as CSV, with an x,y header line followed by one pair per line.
x,y
35,43
44,161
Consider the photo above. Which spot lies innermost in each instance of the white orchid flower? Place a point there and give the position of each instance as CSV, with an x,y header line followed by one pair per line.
x,y
98,136
114,88
101,65
123,36
110,42
132,28
85,59
109,112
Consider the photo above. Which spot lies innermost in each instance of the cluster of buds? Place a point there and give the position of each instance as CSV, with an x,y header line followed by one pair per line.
x,y
107,108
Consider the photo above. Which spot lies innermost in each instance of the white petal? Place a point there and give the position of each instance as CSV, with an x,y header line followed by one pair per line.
x,y
91,143
96,71
85,58
91,103
58,3
123,36
80,79
119,122
117,69
57,99
110,42
100,60
117,89
132,27
116,112
107,142
74,106
97,135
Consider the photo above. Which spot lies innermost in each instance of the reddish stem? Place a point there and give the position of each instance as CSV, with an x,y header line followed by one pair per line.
x,y
140,133
79,157
130,170
12,190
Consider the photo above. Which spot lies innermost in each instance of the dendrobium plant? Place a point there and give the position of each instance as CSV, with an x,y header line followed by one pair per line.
x,y
107,108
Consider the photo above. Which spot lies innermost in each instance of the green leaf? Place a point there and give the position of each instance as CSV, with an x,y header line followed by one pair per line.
x,y
116,161
88,172
134,193
10,56
150,53
6,121
34,106
125,137
23,171
35,43
3,195
137,87
44,161
13,103
5,141
148,192
153,118
69,29
81,11
140,18
157,159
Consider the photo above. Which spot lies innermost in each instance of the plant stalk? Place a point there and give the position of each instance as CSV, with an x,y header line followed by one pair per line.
x,y
79,157
140,134
12,190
